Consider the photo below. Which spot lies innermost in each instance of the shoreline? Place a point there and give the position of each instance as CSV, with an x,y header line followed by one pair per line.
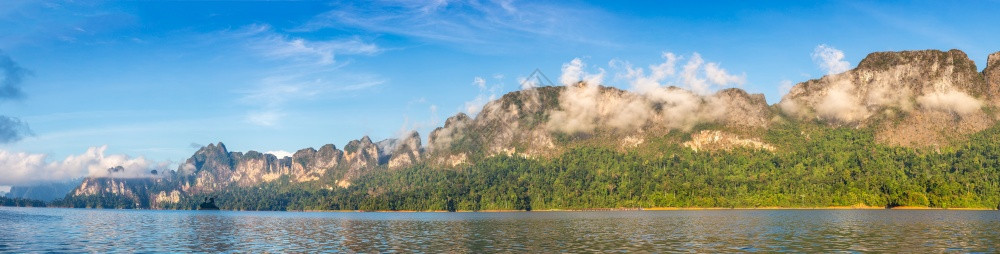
x,y
666,209
621,209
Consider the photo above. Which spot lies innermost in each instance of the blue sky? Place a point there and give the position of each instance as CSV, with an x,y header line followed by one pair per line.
x,y
156,79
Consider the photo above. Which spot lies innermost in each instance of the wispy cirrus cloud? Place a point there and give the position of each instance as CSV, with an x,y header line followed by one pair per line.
x,y
305,69
35,23
469,23
929,27
277,46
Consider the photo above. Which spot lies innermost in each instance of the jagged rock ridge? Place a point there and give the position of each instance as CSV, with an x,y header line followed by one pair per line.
x,y
214,168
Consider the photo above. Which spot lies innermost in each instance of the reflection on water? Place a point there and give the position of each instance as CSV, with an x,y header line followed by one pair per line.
x,y
75,230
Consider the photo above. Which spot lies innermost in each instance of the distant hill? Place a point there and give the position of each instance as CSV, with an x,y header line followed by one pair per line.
x,y
45,191
913,128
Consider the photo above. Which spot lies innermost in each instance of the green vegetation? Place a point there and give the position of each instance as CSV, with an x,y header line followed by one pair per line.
x,y
815,167
105,201
140,188
20,202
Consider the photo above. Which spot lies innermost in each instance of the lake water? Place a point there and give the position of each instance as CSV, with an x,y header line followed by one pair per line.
x,y
83,230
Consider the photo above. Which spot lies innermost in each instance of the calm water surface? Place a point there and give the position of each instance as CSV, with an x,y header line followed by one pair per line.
x,y
82,230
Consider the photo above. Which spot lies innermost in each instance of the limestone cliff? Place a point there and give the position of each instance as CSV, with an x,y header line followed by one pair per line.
x,y
406,152
542,121
442,141
721,140
992,76
213,168
745,110
135,190
912,98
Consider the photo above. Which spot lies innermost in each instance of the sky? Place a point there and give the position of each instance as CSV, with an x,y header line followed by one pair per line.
x,y
88,85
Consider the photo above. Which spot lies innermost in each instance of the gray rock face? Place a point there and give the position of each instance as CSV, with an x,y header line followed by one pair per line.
x,y
913,98
530,122
744,109
359,155
213,168
442,141
454,127
135,189
407,152
992,75
896,81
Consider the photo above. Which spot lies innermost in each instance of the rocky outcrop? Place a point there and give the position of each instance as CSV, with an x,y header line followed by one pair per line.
x,y
164,199
719,140
743,109
361,153
136,190
992,76
406,152
441,143
540,121
214,168
309,164
912,98
443,137
513,124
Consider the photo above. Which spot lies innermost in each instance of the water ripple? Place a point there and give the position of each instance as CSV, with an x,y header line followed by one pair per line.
x,y
104,231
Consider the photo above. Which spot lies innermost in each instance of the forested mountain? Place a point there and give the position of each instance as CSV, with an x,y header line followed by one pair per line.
x,y
912,128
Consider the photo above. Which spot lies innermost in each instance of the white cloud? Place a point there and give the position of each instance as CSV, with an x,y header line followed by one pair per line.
x,y
950,101
307,69
283,47
479,82
266,118
689,75
720,77
486,94
280,153
474,106
696,75
785,86
19,168
584,108
841,103
830,59
573,72
656,79
495,24
528,83
271,97
424,126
